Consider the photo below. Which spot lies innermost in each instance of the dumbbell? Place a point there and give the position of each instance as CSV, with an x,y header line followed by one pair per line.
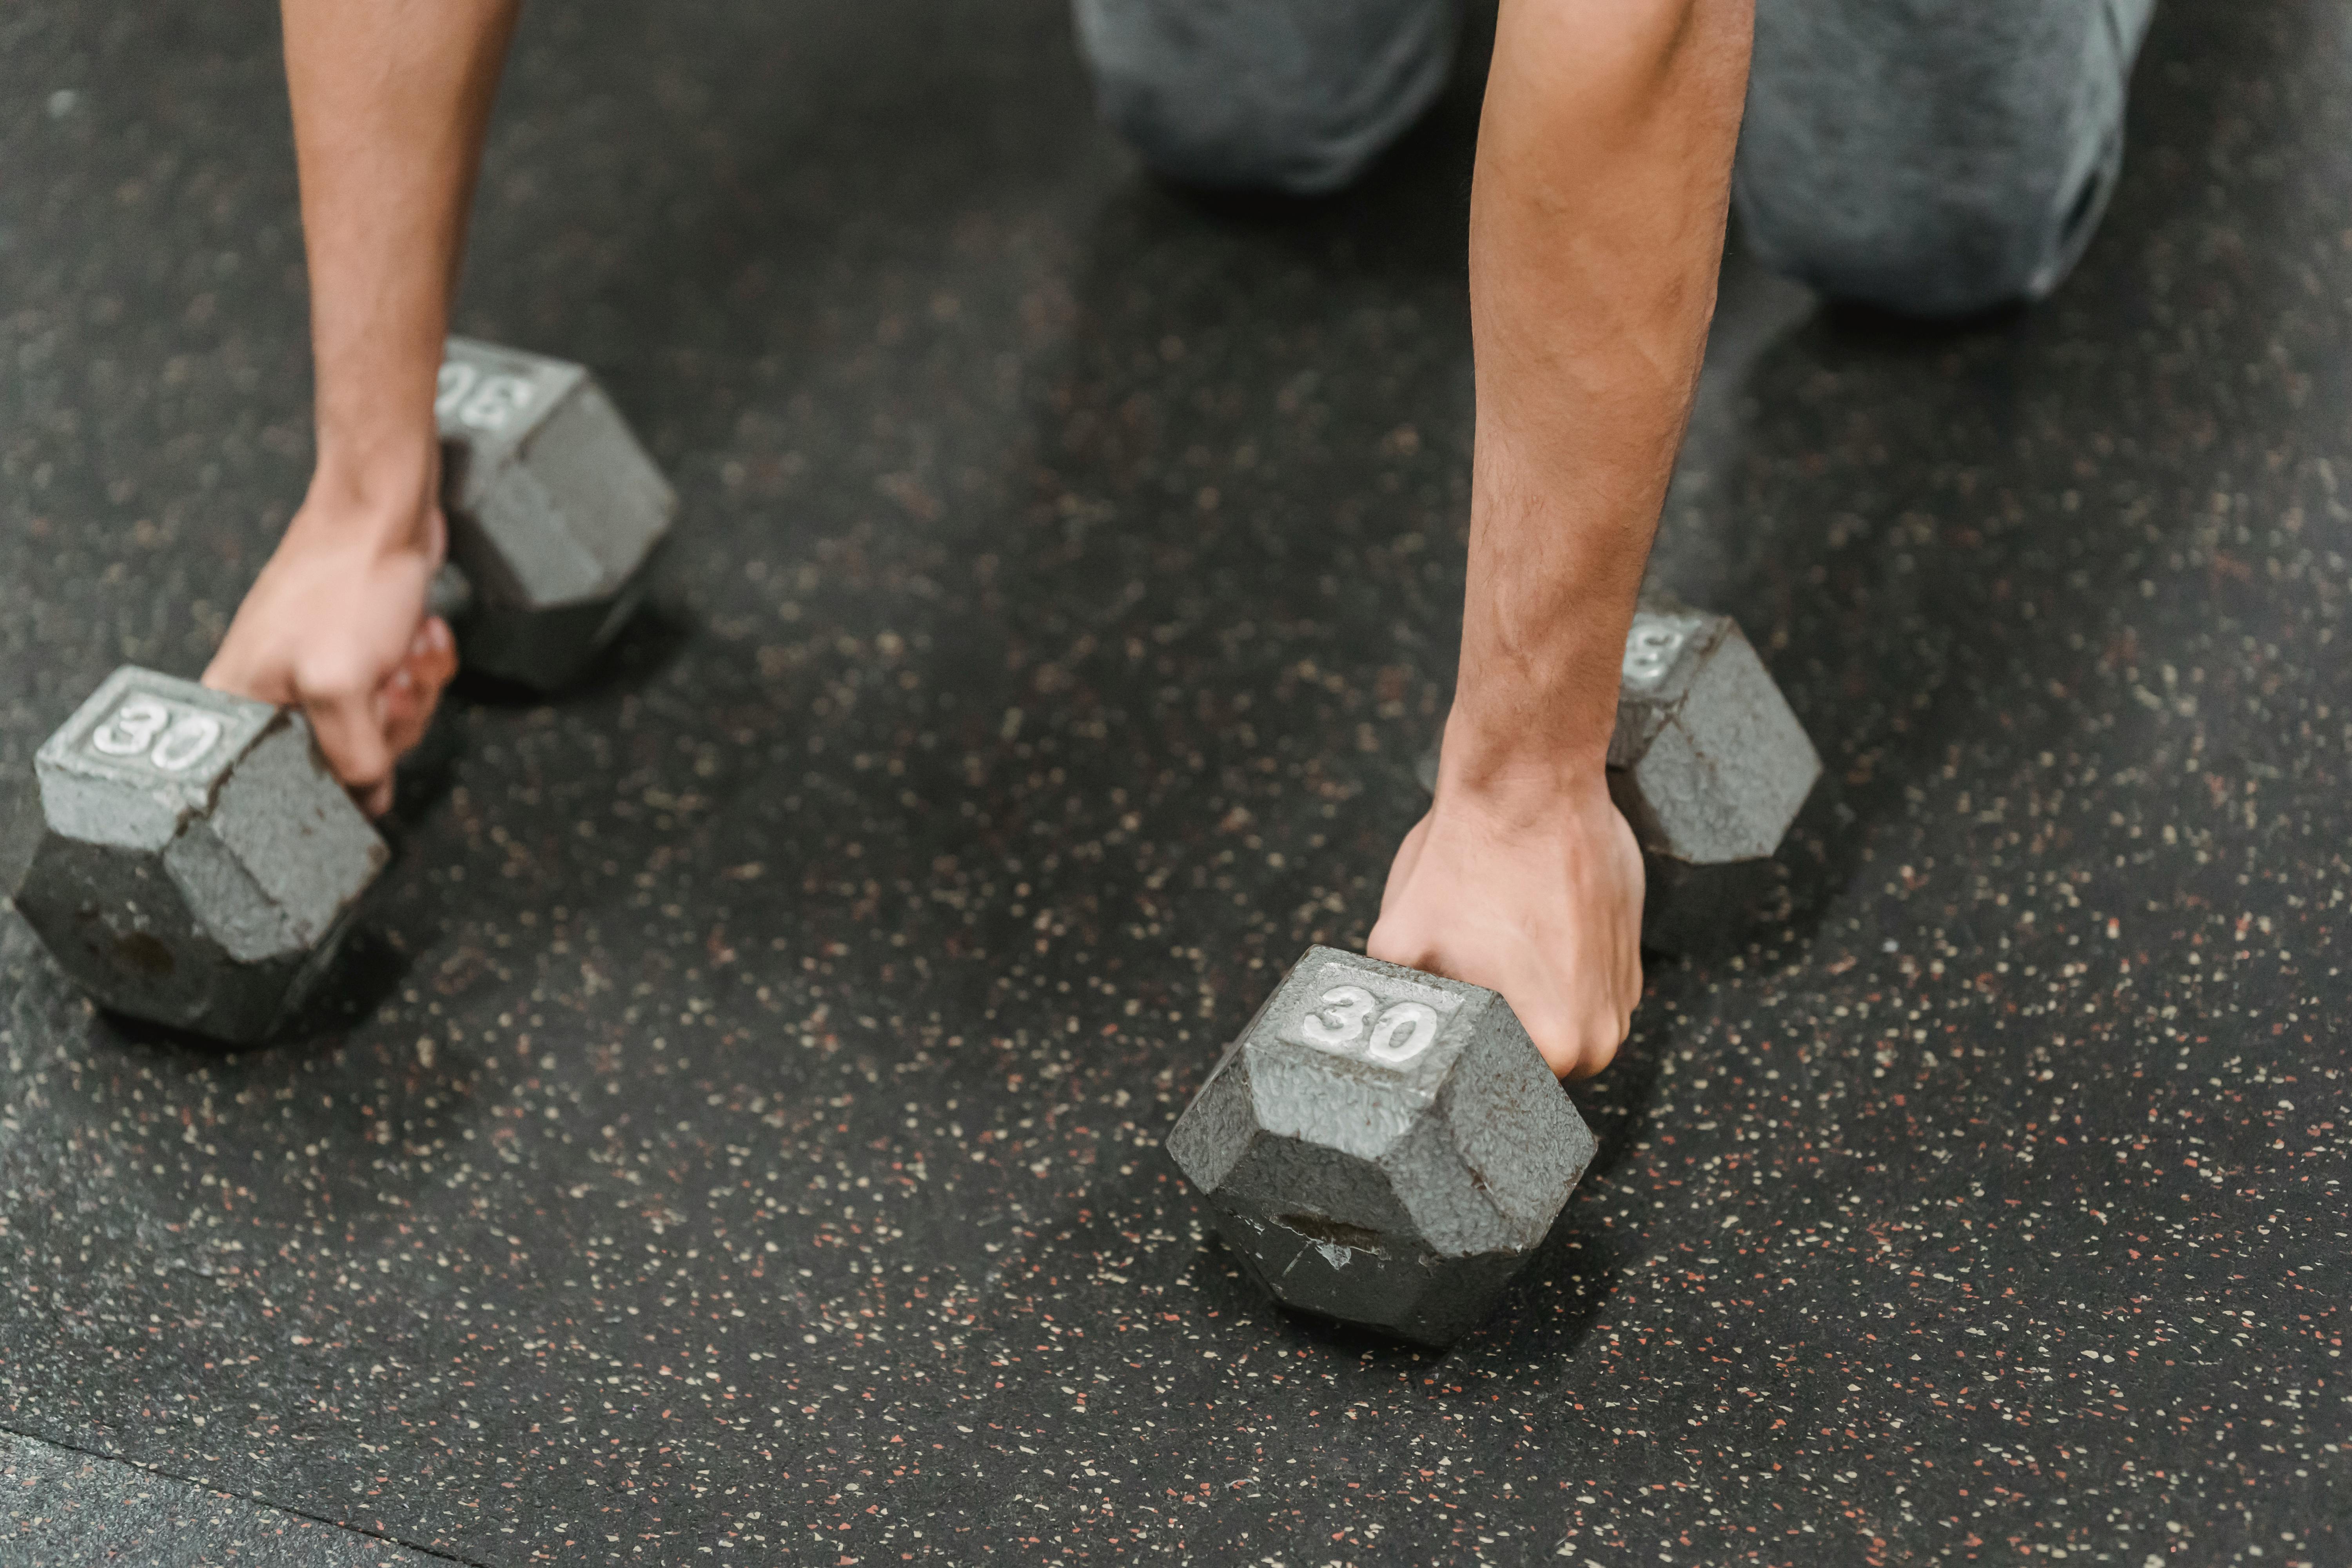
x,y
1707,763
199,864
1383,1146
555,513
1387,1147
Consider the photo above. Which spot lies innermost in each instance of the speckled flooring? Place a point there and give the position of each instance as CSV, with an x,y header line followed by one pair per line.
x,y
66,1508
740,1140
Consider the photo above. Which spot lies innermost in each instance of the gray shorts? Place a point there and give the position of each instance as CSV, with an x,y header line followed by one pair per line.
x,y
1935,157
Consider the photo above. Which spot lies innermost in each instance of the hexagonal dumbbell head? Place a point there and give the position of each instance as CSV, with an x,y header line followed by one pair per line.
x,y
555,511
1707,761
199,864
1383,1146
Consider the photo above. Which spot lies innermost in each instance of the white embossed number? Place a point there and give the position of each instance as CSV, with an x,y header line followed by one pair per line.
x,y
1346,1010
455,381
1397,1036
478,402
1650,649
144,727
184,745
1404,1031
132,729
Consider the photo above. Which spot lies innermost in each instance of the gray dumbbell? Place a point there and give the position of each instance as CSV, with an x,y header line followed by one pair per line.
x,y
1707,763
555,512
1383,1146
199,864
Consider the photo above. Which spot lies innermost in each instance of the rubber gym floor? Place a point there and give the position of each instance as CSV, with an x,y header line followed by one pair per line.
x,y
736,1135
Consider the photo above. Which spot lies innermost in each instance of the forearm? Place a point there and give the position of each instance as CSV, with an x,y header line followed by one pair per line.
x,y
1596,229
391,101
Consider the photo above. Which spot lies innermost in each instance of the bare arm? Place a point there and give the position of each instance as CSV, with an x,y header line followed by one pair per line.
x,y
1596,228
391,101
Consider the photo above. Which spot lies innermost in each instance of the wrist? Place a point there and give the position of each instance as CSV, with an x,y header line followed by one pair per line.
x,y
1534,713
1517,764
381,496
1555,567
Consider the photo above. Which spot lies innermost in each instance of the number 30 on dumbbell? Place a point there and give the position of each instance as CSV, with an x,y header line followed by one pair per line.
x,y
198,864
1395,1035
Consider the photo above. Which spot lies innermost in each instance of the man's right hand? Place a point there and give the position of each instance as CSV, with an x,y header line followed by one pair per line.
x,y
336,625
1532,892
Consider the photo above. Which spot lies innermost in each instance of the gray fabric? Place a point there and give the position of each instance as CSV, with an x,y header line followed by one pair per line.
x,y
1934,157
1287,95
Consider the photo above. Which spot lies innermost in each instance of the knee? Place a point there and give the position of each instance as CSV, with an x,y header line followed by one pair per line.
x,y
1970,173
1265,94
1926,250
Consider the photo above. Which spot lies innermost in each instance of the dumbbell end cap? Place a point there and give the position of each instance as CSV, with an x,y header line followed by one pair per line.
x,y
198,863
1383,1146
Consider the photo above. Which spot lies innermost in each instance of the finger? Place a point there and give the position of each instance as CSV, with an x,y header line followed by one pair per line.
x,y
1561,1052
434,656
413,692
405,710
1575,1041
350,731
1582,1060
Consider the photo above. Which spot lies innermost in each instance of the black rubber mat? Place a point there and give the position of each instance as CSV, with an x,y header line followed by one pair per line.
x,y
736,1135
62,1507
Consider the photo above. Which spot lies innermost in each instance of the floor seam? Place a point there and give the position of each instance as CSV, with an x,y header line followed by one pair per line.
x,y
243,1496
